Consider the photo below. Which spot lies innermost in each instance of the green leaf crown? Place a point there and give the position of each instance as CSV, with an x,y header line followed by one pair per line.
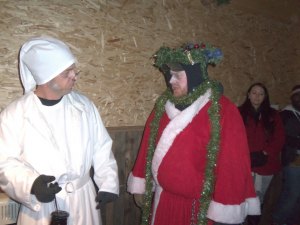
x,y
188,54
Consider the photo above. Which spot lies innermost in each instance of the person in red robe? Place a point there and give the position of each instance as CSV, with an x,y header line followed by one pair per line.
x,y
193,164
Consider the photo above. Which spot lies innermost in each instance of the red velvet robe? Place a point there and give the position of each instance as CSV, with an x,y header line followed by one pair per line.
x,y
179,163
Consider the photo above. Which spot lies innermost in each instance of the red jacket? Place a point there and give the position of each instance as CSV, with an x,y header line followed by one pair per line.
x,y
258,140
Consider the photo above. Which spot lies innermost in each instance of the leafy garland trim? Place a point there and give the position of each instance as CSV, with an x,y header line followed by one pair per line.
x,y
212,147
188,54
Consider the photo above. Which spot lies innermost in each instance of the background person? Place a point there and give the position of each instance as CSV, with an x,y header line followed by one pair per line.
x,y
265,138
194,148
287,209
51,137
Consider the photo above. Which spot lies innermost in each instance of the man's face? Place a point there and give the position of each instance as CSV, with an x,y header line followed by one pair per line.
x,y
64,82
178,83
295,99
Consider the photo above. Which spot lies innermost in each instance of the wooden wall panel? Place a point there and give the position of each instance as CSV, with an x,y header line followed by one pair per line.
x,y
126,141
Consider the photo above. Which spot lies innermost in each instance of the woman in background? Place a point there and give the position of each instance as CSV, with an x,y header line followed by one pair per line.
x,y
265,134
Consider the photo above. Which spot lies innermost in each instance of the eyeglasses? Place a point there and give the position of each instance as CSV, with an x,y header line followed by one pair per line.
x,y
67,73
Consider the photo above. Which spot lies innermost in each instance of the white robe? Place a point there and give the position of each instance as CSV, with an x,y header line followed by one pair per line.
x,y
65,141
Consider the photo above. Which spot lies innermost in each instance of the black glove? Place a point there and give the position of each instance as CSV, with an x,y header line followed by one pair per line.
x,y
105,197
258,159
43,191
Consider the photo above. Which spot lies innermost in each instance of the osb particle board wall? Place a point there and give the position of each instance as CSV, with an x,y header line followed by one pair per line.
x,y
114,41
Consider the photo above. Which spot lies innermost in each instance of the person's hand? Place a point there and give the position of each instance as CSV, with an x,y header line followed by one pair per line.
x,y
105,197
258,158
139,200
44,191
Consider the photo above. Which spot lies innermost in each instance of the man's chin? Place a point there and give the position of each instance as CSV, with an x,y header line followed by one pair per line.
x,y
178,95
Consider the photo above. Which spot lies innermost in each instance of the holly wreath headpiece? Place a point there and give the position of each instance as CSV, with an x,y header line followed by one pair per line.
x,y
189,54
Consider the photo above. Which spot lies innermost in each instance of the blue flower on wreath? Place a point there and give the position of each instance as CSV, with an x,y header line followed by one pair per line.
x,y
213,55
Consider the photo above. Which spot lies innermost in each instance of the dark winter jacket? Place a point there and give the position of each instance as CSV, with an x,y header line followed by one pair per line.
x,y
291,120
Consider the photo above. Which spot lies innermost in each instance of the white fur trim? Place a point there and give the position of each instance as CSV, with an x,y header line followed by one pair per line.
x,y
233,214
156,201
171,110
253,206
176,125
136,185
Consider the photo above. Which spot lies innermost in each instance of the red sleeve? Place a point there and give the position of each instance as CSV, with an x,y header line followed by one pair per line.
x,y
140,163
234,196
234,181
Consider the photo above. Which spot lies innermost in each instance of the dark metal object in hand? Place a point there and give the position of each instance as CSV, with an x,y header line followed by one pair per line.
x,y
59,217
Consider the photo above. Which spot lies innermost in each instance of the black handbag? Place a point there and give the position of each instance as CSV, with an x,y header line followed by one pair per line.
x,y
258,159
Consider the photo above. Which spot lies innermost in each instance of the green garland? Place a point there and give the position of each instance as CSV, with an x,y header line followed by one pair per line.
x,y
212,147
202,53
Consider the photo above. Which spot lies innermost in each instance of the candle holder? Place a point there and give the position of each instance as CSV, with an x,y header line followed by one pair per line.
x,y
59,217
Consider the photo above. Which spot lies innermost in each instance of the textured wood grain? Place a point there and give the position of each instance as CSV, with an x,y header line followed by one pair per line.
x,y
126,141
